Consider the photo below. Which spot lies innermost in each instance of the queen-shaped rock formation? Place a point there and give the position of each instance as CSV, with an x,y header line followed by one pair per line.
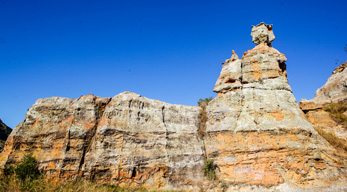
x,y
256,133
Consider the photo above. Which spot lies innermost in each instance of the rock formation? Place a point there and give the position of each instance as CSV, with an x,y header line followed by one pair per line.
x,y
126,139
256,133
332,95
4,132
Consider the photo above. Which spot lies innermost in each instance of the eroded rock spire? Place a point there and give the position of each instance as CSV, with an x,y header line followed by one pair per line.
x,y
256,131
262,34
230,76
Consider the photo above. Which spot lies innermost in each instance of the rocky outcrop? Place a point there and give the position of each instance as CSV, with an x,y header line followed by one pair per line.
x,y
230,76
124,139
255,132
334,90
327,111
4,132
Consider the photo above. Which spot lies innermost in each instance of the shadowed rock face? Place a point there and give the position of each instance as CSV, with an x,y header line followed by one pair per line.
x,y
4,132
333,92
256,132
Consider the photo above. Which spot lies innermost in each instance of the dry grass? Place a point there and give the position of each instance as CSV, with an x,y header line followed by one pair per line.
x,y
336,111
13,184
332,139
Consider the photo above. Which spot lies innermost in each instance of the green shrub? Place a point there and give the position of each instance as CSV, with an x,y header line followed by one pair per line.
x,y
206,101
8,171
209,169
27,169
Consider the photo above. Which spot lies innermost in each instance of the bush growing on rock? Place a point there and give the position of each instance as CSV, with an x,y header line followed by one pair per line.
x,y
206,101
209,169
203,116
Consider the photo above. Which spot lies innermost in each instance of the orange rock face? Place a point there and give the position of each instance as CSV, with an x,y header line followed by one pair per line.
x,y
127,139
332,95
256,133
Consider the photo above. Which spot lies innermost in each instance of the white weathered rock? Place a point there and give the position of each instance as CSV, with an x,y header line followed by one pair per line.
x,y
126,139
262,34
230,76
257,133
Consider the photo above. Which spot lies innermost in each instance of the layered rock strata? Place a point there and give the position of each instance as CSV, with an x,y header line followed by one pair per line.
x,y
256,131
333,93
126,139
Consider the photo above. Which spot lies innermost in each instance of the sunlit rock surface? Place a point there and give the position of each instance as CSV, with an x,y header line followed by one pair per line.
x,y
333,92
256,133
126,139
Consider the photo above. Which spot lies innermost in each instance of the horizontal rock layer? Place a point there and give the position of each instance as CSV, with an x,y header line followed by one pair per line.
x,y
332,95
126,139
256,131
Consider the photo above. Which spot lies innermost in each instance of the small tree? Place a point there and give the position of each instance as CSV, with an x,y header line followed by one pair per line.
x,y
206,101
27,169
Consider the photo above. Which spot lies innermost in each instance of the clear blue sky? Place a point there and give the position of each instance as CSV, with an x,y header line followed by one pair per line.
x,y
166,50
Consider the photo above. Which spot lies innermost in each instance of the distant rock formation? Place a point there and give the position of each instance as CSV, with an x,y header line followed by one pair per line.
x,y
4,133
332,96
256,133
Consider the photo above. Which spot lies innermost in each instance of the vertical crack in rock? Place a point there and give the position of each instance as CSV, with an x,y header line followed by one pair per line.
x,y
166,130
100,109
68,141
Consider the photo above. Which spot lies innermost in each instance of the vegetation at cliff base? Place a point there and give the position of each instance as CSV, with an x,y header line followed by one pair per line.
x,y
26,177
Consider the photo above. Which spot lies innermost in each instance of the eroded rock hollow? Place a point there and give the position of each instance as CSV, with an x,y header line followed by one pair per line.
x,y
256,133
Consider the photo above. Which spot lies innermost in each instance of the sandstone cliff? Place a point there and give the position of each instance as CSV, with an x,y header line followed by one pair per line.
x,y
126,139
327,111
255,132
